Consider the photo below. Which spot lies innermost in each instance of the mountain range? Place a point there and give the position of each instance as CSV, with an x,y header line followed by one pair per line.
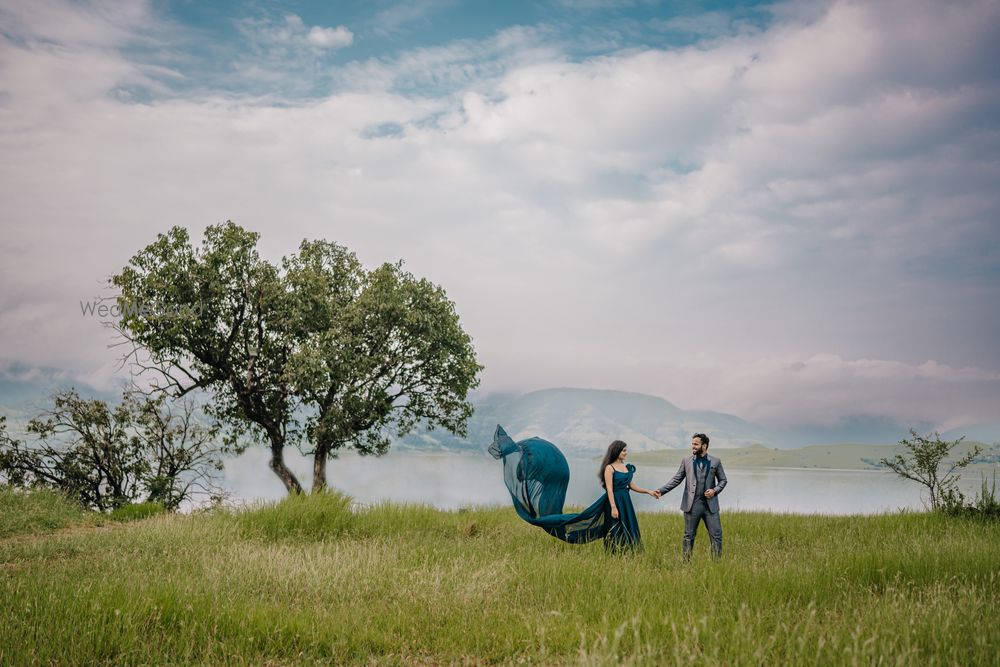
x,y
580,421
584,421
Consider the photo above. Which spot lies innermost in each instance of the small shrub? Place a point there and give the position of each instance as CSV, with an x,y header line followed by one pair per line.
x,y
923,460
136,511
985,505
986,502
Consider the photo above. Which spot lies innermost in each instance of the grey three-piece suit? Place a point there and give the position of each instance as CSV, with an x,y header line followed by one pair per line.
x,y
695,505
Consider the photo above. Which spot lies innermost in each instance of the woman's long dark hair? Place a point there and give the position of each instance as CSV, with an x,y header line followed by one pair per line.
x,y
614,449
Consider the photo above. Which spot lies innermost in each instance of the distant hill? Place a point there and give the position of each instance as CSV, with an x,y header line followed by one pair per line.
x,y
579,421
989,433
584,421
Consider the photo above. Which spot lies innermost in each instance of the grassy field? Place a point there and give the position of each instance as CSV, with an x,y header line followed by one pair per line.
x,y
40,512
839,456
309,581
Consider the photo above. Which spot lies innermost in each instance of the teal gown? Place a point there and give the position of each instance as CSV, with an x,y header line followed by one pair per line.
x,y
536,475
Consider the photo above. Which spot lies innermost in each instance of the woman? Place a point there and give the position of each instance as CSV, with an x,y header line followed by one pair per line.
x,y
616,478
536,475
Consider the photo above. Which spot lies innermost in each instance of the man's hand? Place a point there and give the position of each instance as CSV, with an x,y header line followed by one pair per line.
x,y
656,494
710,493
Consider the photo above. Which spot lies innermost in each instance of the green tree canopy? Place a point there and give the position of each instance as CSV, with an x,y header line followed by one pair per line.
x,y
378,352
360,356
109,455
214,318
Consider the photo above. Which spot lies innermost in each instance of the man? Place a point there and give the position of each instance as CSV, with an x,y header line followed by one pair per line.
x,y
705,481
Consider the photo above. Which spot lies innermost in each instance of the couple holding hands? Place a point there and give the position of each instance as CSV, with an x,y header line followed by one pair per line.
x,y
537,474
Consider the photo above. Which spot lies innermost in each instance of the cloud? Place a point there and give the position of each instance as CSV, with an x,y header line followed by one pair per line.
x,y
292,32
282,56
330,38
92,24
713,24
399,16
692,222
596,5
454,68
823,389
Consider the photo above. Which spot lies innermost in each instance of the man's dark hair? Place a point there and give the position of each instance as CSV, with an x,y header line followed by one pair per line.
x,y
702,437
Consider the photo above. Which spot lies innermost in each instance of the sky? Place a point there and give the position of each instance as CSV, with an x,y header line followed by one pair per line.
x,y
787,211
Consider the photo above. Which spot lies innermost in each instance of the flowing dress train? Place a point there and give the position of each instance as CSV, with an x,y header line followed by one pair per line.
x,y
536,475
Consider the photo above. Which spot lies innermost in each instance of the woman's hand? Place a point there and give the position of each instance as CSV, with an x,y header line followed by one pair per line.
x,y
614,512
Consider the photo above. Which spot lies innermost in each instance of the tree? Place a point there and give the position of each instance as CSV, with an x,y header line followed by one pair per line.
x,y
85,448
179,447
214,319
109,456
377,352
923,462
360,355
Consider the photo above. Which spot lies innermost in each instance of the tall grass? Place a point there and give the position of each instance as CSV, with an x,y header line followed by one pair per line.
x,y
39,511
298,518
136,511
313,581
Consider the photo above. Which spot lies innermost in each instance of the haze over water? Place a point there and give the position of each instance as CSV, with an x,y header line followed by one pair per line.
x,y
454,480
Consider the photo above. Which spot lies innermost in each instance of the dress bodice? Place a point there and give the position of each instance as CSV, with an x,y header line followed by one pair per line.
x,y
620,480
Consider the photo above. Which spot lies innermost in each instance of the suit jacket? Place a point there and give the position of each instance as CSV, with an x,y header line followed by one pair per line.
x,y
716,479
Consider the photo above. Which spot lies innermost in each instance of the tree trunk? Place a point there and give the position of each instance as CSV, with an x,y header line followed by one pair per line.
x,y
319,468
286,476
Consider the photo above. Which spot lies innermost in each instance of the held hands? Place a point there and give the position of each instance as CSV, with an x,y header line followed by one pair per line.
x,y
656,494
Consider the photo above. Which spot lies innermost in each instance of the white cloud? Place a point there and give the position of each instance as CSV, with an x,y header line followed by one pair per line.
x,y
458,66
330,38
284,56
689,222
824,388
291,31
102,23
405,13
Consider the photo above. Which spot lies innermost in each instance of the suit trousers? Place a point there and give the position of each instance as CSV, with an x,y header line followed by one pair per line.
x,y
699,512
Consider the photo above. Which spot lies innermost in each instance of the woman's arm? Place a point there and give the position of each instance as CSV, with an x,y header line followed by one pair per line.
x,y
635,488
609,474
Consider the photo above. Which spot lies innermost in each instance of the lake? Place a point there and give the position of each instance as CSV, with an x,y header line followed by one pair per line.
x,y
453,480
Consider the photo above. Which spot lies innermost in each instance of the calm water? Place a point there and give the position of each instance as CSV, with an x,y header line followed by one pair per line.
x,y
449,481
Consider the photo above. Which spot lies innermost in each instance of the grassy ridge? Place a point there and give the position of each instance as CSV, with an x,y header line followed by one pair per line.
x,y
311,582
40,511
